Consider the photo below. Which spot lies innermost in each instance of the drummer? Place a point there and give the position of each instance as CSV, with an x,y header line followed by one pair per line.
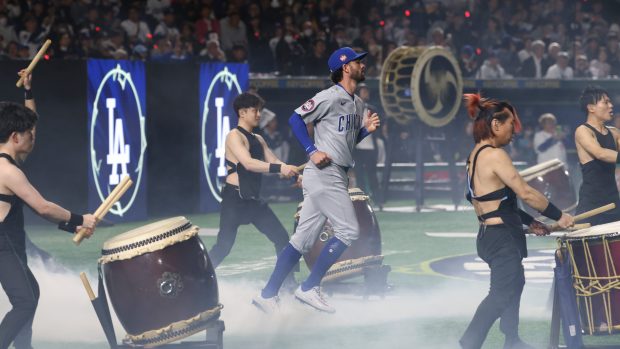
x,y
17,137
597,149
247,158
493,187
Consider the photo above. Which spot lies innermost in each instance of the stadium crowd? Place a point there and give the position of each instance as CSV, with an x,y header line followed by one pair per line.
x,y
557,39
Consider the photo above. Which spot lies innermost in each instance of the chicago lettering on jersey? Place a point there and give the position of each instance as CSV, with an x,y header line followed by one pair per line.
x,y
349,122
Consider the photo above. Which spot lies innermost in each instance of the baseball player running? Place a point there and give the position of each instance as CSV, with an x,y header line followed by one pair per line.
x,y
336,114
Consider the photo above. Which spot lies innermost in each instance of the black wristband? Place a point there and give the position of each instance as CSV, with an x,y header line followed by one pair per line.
x,y
28,95
66,226
76,219
275,168
618,158
552,212
525,217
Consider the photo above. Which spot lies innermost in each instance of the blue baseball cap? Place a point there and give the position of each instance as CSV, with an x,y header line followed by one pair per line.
x,y
343,56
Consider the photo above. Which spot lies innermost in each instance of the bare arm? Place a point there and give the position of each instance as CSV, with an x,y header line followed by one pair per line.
x,y
269,155
234,143
505,170
586,140
508,174
17,182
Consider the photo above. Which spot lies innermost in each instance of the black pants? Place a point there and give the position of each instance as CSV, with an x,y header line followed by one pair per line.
x,y
498,249
236,211
366,172
22,290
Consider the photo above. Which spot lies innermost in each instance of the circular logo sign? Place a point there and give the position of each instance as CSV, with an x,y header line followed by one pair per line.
x,y
538,267
216,121
117,137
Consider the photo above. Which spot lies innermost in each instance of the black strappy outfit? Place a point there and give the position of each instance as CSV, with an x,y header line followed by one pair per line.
x,y
599,183
241,205
17,280
502,247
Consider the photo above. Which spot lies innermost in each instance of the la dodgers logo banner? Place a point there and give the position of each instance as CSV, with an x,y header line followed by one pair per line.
x,y
116,131
220,83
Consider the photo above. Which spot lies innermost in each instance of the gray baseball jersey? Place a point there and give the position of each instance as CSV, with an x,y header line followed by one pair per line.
x,y
337,119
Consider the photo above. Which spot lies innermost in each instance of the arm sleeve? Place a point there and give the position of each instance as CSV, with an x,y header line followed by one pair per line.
x,y
298,126
362,134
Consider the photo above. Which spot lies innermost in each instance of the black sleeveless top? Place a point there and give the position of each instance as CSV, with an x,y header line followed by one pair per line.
x,y
249,182
12,227
599,180
508,209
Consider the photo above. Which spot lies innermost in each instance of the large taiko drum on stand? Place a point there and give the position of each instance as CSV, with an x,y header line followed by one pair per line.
x,y
419,82
595,256
160,282
365,252
552,179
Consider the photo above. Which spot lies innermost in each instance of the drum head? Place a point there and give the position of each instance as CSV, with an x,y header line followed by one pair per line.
x,y
148,238
541,169
607,230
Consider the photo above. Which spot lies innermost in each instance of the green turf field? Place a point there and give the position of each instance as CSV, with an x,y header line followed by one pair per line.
x,y
425,309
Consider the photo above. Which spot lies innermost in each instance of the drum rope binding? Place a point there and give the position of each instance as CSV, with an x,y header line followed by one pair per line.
x,y
586,287
170,333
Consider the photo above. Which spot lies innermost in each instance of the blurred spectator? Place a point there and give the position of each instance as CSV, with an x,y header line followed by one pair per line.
x,y
92,24
315,62
289,55
212,53
238,54
232,32
492,35
207,24
491,68
536,65
561,69
6,29
599,66
167,27
582,68
137,31
507,55
468,62
548,142
156,9
65,48
275,140
507,27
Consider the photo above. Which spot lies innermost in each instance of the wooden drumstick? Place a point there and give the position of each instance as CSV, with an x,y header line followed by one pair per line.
x,y
574,227
106,205
588,214
89,290
34,62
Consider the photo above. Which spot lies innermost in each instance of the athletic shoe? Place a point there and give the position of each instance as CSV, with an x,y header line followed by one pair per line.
x,y
267,305
314,298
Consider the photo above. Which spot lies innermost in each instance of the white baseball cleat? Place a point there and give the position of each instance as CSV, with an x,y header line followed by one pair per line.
x,y
267,305
314,298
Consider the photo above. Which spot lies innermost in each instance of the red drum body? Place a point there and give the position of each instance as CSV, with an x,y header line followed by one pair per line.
x,y
160,282
552,179
595,254
363,253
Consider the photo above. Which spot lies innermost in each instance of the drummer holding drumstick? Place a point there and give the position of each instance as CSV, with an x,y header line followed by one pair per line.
x,y
493,187
597,149
17,137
